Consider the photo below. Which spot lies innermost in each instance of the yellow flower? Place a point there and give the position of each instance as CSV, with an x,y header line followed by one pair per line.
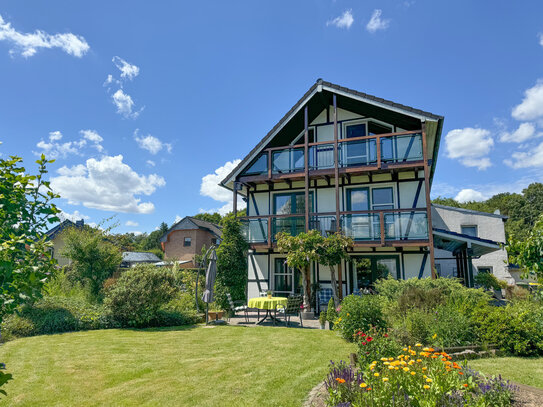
x,y
396,368
411,362
429,380
383,359
386,363
434,336
426,386
348,314
385,379
424,368
376,374
419,360
391,367
426,349
418,344
374,362
391,359
406,369
339,319
363,385
404,349
413,373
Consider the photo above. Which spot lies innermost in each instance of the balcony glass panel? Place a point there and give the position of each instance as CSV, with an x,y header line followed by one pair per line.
x,y
397,149
260,166
358,153
406,226
321,156
291,225
255,230
288,160
325,224
362,226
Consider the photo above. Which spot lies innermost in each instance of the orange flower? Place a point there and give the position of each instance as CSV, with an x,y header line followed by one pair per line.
x,y
369,388
465,385
340,380
461,373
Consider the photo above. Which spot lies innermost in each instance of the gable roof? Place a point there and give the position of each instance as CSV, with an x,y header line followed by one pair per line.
x,y
190,222
397,110
140,257
53,232
471,211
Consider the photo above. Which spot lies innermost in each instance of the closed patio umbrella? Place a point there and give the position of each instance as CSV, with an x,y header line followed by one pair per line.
x,y
211,274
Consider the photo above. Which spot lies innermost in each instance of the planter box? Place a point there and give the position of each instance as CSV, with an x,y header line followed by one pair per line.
x,y
215,315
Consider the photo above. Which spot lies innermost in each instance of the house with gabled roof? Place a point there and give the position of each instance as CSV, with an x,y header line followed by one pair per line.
x,y
186,238
343,160
54,235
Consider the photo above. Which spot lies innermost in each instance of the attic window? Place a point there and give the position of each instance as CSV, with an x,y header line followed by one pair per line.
x,y
187,241
259,166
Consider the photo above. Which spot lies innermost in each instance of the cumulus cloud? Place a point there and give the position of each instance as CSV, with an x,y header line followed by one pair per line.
x,y
376,23
53,148
128,70
210,188
94,138
470,146
524,132
125,104
131,223
469,195
540,36
151,143
75,216
531,107
343,21
107,184
27,44
526,159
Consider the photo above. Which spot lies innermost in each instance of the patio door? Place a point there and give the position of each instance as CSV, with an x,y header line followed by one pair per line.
x,y
365,270
286,280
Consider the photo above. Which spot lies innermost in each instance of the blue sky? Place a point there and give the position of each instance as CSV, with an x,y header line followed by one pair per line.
x,y
195,85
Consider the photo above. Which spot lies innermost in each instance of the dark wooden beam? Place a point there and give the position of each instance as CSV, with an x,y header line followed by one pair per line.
x,y
428,201
306,166
336,161
235,199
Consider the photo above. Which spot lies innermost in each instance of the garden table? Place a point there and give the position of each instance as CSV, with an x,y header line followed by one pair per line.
x,y
267,304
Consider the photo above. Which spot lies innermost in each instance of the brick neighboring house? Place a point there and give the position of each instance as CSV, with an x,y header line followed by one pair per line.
x,y
55,235
186,239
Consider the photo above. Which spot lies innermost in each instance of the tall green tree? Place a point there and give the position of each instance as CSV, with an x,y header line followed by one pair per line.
x,y
210,217
231,263
26,212
94,257
152,241
527,252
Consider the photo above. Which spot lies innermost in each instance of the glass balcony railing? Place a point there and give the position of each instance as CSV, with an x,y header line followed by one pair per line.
x,y
406,226
321,156
325,224
402,148
358,153
288,160
362,226
255,230
291,225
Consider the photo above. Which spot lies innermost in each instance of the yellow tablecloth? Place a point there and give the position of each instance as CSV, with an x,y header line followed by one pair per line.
x,y
267,303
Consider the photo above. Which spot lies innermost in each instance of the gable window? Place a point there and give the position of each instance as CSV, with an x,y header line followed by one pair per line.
x,y
259,166
187,242
358,152
470,230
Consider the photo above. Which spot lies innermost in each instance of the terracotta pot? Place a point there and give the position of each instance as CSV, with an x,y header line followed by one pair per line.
x,y
215,315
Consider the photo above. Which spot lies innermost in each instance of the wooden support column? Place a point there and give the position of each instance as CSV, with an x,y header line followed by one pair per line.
x,y
428,201
336,165
382,227
306,166
270,237
378,145
235,199
469,251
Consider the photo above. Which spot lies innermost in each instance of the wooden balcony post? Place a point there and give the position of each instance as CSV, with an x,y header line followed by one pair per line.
x,y
235,199
306,166
336,163
378,145
269,165
428,201
270,237
382,226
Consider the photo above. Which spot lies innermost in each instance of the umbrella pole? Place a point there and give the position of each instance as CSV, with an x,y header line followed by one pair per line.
x,y
207,313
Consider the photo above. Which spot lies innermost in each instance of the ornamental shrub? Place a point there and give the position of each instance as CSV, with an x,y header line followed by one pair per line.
x,y
138,295
488,281
331,313
359,313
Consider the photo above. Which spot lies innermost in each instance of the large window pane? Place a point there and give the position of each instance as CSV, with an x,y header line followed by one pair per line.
x,y
376,128
382,198
358,199
260,166
356,130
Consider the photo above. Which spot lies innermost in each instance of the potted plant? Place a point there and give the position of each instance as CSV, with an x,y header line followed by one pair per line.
x,y
214,313
322,319
269,294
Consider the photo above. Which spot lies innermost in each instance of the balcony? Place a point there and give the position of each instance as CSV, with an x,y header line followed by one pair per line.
x,y
394,227
367,153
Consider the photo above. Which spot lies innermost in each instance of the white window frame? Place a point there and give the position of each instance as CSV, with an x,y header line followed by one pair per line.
x,y
289,272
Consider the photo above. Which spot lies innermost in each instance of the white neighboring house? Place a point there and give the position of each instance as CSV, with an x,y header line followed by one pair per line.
x,y
479,225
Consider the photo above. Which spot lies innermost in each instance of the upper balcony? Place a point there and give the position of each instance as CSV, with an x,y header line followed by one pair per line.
x,y
357,154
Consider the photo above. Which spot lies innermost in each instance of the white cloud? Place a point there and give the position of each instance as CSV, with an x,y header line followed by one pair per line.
x,y
94,138
521,159
540,36
131,223
468,195
343,21
531,107
151,143
107,184
470,146
27,44
53,149
55,136
128,70
150,163
376,23
124,104
524,132
75,216
210,187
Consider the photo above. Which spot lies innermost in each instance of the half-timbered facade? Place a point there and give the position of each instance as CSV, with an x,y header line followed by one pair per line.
x,y
341,160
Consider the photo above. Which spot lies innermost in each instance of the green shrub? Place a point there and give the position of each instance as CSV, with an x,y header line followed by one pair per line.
x,y
391,289
331,313
516,328
488,281
359,313
450,327
138,295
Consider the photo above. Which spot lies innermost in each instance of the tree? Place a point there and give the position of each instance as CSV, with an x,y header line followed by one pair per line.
x,y
210,217
231,263
301,251
94,257
26,212
527,252
331,252
152,241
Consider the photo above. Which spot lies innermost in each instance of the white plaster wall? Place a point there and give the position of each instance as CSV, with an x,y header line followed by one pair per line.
x,y
261,269
262,202
408,191
325,133
413,261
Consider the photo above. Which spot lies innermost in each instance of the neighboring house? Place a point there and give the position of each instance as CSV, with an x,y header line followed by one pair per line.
x,y
344,160
131,259
55,235
480,225
186,238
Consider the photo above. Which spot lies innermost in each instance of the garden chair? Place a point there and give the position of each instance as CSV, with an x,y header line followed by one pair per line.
x,y
323,296
292,309
236,306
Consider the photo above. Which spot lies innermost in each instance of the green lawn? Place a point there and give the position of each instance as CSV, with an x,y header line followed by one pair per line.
x,y
198,366
528,371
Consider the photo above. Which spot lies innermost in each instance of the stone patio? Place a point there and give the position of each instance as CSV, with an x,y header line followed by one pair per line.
x,y
309,323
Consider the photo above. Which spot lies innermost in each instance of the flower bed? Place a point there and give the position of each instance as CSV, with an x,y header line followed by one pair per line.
x,y
415,377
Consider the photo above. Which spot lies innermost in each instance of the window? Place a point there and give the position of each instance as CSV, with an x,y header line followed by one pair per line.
x,y
187,241
382,198
285,279
259,166
484,269
285,204
469,230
